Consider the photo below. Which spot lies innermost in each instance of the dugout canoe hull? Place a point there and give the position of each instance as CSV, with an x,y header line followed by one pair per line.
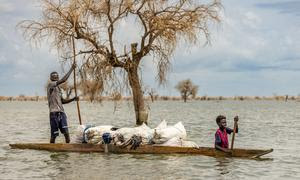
x,y
145,149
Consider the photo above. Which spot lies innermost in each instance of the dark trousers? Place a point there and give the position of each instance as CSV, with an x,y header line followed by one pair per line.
x,y
58,121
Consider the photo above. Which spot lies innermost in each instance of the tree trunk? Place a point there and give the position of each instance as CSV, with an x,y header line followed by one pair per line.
x,y
141,114
184,97
151,96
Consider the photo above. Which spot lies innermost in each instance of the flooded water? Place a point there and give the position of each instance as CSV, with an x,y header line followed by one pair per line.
x,y
262,125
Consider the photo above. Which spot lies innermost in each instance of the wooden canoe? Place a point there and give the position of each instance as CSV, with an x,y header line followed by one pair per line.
x,y
145,149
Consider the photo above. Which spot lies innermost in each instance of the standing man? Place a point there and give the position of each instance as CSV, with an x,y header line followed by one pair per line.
x,y
58,118
221,139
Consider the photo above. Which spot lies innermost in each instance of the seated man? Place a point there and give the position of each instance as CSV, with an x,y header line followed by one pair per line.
x,y
221,139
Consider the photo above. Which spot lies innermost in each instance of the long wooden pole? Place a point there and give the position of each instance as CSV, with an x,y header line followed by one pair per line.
x,y
74,61
233,135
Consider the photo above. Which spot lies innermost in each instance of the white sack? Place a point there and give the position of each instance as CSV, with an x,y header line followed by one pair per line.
x,y
163,135
98,130
162,125
94,134
175,141
189,144
144,131
178,142
78,135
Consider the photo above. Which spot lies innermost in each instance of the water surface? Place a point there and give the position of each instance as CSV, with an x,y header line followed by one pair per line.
x,y
263,125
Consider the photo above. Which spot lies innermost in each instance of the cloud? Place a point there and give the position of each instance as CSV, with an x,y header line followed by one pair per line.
x,y
291,7
249,48
254,51
23,69
251,19
6,7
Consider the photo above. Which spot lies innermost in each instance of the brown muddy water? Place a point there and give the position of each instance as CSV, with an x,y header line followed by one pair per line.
x,y
263,125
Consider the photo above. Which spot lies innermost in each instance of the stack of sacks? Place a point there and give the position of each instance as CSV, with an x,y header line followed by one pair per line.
x,y
161,135
144,131
94,134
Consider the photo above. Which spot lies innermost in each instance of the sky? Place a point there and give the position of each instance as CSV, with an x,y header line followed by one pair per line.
x,y
254,51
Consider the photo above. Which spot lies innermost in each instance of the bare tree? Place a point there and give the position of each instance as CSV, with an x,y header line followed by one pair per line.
x,y
153,95
186,89
95,23
67,88
151,92
91,89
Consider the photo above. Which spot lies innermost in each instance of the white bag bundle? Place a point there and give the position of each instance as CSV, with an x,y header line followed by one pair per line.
x,y
94,134
126,132
97,130
78,135
163,135
178,142
175,141
162,125
189,144
144,131
95,140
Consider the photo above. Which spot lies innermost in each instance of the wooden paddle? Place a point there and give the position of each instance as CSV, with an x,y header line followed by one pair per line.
x,y
234,130
75,89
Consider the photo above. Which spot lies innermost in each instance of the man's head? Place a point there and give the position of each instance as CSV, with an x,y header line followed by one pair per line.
x,y
221,121
54,76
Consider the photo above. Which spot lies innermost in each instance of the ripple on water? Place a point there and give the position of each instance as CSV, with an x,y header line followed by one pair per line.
x,y
263,124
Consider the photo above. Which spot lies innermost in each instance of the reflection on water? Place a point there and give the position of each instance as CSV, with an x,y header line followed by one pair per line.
x,y
60,161
59,157
262,125
222,165
263,159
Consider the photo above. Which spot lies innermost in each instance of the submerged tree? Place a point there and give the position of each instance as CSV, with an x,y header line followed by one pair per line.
x,y
186,89
95,24
153,95
91,89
